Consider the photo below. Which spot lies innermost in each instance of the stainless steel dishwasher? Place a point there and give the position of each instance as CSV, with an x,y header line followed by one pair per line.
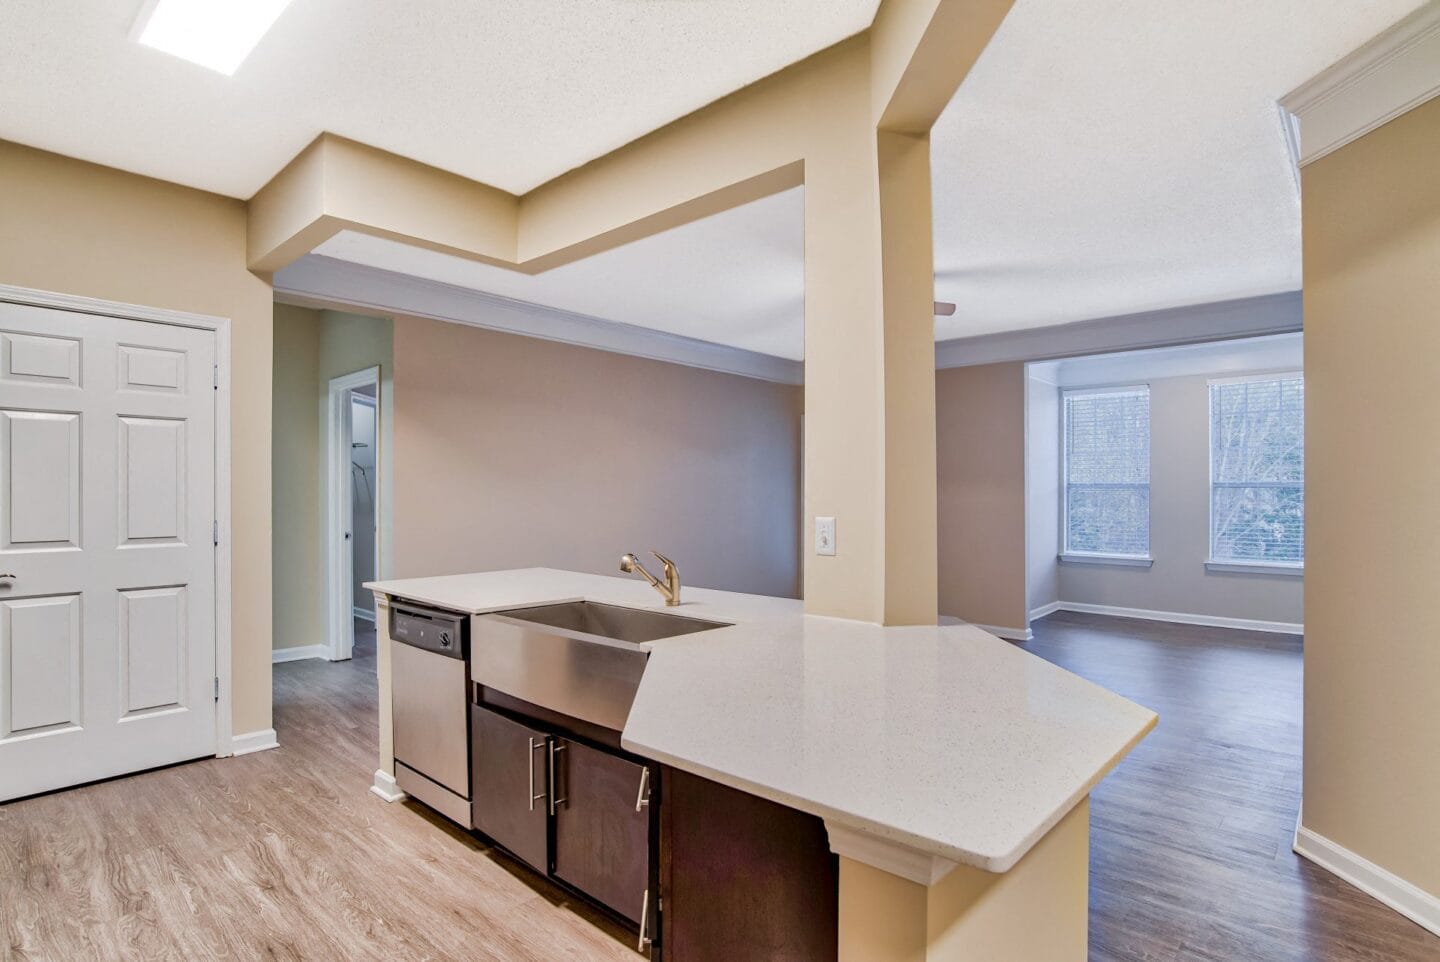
x,y
430,681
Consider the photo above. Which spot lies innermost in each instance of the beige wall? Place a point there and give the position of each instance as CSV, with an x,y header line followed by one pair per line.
x,y
853,122
512,451
980,448
77,228
296,472
1372,611
311,347
1180,529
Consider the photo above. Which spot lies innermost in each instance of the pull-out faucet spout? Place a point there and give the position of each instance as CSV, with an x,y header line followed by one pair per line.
x,y
669,589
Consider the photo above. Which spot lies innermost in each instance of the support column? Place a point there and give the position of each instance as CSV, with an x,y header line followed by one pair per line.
x,y
1037,910
870,379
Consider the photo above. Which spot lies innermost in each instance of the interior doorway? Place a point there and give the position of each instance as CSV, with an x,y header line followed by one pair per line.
x,y
352,510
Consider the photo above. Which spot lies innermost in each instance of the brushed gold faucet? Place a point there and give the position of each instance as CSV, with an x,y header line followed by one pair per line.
x,y
669,589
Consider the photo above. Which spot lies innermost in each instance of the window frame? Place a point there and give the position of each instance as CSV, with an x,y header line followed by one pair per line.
x,y
1096,557
1234,565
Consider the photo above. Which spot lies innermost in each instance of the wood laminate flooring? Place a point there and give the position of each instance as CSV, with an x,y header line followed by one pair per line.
x,y
286,855
1190,837
283,854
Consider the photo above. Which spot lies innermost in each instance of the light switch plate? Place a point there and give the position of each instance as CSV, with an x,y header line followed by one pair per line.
x,y
825,536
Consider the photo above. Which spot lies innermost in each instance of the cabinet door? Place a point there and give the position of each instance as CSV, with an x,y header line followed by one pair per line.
x,y
509,794
743,877
602,844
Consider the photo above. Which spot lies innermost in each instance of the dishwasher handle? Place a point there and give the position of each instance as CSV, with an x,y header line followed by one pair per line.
x,y
430,629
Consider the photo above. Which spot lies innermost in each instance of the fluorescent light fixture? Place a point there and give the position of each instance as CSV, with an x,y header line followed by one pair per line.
x,y
218,34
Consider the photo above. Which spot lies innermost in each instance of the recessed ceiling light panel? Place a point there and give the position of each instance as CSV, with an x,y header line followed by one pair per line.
x,y
218,34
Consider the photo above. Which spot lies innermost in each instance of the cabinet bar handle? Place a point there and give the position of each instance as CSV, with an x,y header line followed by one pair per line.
x,y
642,798
531,764
644,923
554,785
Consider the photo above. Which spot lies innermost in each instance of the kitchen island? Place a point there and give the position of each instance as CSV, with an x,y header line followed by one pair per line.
x,y
951,769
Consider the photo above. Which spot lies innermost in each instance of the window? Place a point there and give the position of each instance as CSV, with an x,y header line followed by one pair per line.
x,y
1107,473
1257,471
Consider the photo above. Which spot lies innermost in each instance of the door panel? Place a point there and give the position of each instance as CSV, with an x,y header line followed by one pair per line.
x,y
41,453
153,649
151,369
39,358
39,665
508,771
602,844
152,480
107,479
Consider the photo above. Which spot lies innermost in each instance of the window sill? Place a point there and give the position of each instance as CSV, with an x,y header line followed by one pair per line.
x,y
1256,568
1122,560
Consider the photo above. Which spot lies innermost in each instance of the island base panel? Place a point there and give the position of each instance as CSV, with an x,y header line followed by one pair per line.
x,y
1037,910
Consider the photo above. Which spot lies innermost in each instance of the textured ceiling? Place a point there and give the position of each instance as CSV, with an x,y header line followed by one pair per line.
x,y
736,278
505,92
1104,157
1112,156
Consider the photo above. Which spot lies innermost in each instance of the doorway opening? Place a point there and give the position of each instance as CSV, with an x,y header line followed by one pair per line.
x,y
353,496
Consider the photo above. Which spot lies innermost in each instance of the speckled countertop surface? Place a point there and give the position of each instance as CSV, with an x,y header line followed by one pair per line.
x,y
945,739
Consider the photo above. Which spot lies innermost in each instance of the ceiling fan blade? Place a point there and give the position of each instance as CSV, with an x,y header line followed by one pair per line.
x,y
944,308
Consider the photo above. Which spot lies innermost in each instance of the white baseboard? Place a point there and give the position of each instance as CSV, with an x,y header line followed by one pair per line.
x,y
301,653
364,614
251,742
1037,613
386,787
1181,618
1009,634
1414,903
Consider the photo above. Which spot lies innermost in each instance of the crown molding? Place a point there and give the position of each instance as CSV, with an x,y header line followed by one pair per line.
x,y
1395,71
327,282
1217,321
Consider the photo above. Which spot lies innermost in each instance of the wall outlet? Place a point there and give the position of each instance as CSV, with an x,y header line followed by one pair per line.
x,y
825,536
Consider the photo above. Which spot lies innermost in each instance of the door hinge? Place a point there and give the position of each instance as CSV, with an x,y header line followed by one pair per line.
x,y
217,689
215,532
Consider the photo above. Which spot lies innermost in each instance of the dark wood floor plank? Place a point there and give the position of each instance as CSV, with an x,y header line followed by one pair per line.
x,y
1190,844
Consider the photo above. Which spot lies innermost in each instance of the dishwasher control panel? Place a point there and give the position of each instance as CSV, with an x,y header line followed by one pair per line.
x,y
431,629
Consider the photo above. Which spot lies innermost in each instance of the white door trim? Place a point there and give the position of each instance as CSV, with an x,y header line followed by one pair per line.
x,y
339,550
224,721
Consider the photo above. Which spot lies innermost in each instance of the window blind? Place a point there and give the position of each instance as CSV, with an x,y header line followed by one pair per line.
x,y
1257,470
1107,471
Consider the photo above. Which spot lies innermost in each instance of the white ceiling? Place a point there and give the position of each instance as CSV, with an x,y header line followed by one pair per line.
x,y
1279,352
736,278
505,92
1104,157
1108,157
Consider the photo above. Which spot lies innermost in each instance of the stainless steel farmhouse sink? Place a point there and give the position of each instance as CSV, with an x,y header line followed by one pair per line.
x,y
579,658
633,625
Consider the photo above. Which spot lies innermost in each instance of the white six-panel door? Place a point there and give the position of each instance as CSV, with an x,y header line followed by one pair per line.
x,y
107,608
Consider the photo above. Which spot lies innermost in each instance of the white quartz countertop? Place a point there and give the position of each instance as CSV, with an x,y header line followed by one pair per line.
x,y
944,740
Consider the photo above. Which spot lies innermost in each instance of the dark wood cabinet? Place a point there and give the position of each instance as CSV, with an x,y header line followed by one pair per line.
x,y
743,878
602,827
509,797
703,872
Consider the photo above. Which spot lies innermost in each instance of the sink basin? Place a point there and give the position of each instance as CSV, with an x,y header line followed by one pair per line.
x,y
633,625
581,659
